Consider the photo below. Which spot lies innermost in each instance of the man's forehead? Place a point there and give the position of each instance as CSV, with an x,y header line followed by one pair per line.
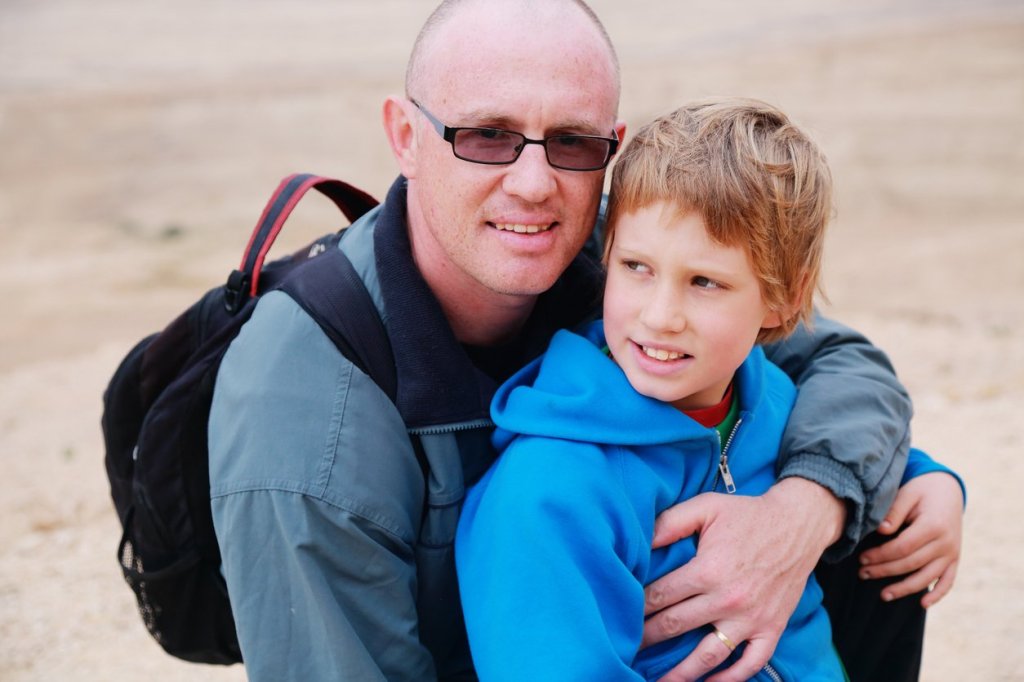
x,y
493,39
515,118
511,78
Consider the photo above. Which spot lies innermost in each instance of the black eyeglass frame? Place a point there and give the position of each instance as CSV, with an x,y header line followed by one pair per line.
x,y
448,133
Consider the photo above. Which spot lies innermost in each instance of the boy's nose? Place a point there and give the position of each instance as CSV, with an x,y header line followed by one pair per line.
x,y
663,312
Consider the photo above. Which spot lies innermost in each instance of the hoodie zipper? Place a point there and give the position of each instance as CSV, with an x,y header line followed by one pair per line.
x,y
723,462
730,487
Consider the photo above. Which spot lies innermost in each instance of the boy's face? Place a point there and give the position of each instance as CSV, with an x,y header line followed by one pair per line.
x,y
681,312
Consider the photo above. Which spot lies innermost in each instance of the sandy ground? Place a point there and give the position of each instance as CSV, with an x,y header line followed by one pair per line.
x,y
139,140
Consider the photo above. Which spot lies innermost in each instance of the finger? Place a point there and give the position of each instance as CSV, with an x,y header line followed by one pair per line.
x,y
680,521
915,582
710,653
904,564
677,619
942,587
911,539
672,588
755,656
898,513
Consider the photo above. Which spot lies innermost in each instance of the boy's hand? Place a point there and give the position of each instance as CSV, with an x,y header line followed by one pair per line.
x,y
752,564
928,549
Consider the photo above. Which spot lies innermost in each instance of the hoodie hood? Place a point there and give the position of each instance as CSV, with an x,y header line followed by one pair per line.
x,y
576,392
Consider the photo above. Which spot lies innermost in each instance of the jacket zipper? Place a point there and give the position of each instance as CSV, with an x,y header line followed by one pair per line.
x,y
723,462
772,672
451,428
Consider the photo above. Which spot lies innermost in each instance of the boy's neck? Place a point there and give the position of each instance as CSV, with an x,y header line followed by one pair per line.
x,y
714,415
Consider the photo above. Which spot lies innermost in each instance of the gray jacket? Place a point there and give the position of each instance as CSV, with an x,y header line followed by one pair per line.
x,y
337,535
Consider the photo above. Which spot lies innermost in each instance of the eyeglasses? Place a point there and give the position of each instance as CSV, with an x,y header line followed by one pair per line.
x,y
495,146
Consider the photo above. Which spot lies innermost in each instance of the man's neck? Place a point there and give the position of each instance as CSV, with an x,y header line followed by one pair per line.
x,y
478,316
480,322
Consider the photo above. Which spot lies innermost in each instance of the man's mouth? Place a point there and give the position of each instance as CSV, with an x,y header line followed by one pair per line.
x,y
662,354
523,228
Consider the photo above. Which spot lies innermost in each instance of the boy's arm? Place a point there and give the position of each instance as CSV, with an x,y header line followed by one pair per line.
x,y
920,463
542,566
850,428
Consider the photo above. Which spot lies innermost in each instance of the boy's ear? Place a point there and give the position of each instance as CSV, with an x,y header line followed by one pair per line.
x,y
772,319
776,318
398,126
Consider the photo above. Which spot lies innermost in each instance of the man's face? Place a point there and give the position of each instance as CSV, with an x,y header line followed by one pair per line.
x,y
681,312
509,229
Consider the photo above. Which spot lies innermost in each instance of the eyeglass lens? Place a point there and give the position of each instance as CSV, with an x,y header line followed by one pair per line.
x,y
487,145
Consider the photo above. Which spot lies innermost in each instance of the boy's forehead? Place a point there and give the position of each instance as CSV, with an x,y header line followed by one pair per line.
x,y
669,214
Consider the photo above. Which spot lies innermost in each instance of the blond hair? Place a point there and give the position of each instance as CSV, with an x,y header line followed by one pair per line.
x,y
757,181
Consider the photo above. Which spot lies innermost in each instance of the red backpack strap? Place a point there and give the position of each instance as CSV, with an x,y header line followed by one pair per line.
x,y
244,282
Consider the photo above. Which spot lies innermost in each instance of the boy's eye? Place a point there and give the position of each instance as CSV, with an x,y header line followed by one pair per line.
x,y
634,266
705,283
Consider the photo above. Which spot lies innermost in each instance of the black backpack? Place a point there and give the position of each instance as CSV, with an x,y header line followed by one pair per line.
x,y
156,407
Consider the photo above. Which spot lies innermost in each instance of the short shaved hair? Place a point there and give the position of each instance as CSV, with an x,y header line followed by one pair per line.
x,y
449,8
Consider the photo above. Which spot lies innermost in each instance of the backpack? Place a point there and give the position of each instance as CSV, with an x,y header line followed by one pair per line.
x,y
157,404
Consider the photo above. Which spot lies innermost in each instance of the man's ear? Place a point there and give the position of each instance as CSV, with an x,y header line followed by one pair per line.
x,y
620,132
398,126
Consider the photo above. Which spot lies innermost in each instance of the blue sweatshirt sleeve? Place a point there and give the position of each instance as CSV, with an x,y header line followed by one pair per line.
x,y
920,463
544,574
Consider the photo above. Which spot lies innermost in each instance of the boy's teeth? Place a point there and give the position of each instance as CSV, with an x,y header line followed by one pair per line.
x,y
521,228
661,353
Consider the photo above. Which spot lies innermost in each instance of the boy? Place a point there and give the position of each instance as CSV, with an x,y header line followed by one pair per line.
x,y
715,230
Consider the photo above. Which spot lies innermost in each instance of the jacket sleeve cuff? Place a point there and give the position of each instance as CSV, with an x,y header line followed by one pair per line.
x,y
841,482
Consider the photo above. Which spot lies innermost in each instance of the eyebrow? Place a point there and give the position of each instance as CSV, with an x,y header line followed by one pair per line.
x,y
577,126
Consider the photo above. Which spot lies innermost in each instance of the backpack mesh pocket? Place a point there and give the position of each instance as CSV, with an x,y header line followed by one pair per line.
x,y
204,632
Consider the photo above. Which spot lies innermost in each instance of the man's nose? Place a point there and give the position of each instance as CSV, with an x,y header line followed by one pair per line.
x,y
531,177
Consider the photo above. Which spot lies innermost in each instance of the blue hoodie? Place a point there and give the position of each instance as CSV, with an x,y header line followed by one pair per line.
x,y
553,546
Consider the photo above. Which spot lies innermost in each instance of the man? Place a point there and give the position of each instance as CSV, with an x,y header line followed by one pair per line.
x,y
336,527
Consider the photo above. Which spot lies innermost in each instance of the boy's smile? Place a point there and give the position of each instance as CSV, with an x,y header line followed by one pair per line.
x,y
681,312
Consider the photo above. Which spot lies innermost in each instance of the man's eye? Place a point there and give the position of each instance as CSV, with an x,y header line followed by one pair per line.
x,y
567,140
479,135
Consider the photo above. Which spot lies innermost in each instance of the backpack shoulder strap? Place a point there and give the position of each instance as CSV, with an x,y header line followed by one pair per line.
x,y
330,290
244,283
326,284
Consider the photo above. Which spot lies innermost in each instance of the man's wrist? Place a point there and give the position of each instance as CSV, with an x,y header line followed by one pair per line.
x,y
814,504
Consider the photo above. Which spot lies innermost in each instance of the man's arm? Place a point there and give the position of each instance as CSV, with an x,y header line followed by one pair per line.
x,y
843,454
850,428
316,495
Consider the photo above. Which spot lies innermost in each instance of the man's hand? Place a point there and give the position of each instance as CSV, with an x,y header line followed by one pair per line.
x,y
928,549
754,556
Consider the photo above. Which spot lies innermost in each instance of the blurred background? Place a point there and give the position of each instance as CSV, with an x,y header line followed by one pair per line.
x,y
139,140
